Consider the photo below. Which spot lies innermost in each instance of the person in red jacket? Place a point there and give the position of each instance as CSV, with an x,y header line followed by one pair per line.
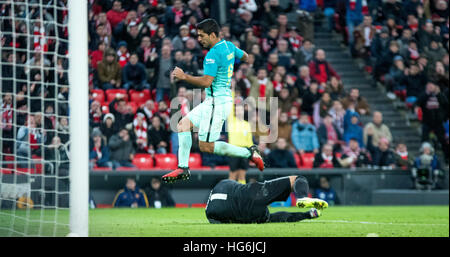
x,y
320,69
116,14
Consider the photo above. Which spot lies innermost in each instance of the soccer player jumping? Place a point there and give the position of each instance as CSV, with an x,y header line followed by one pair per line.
x,y
210,115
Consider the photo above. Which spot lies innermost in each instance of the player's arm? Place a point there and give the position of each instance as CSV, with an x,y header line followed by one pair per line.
x,y
244,57
204,81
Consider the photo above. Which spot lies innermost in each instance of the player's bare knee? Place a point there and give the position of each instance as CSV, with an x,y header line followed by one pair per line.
x,y
184,125
206,147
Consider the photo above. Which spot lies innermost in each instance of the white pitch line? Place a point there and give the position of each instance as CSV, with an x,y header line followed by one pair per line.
x,y
373,223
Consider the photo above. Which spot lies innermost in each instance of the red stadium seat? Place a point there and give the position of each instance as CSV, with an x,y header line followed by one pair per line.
x,y
10,160
6,171
98,95
134,106
222,167
125,169
298,160
139,97
307,160
105,108
166,161
38,164
25,171
195,161
112,93
143,161
101,169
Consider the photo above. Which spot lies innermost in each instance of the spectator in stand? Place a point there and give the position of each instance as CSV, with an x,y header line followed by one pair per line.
x,y
364,33
29,139
326,159
321,108
326,192
163,66
95,115
353,156
281,157
337,112
135,75
403,159
117,14
7,122
285,128
434,51
310,97
179,40
158,136
303,81
378,128
269,43
352,128
328,133
321,70
285,99
427,168
99,152
123,114
385,56
395,79
434,107
140,128
130,33
382,155
109,71
123,53
354,16
159,196
304,135
175,16
146,52
335,88
415,82
305,53
97,55
356,102
285,55
261,86
107,127
122,150
131,196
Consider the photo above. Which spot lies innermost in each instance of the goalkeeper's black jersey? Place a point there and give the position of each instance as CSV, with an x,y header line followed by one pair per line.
x,y
232,202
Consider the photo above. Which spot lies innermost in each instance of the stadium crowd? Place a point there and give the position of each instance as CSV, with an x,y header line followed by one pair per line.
x,y
134,45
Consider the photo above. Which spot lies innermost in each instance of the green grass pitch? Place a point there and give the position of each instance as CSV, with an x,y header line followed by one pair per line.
x,y
337,221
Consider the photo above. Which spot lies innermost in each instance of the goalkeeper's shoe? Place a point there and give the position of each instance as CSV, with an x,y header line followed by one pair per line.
x,y
315,213
307,202
178,174
255,157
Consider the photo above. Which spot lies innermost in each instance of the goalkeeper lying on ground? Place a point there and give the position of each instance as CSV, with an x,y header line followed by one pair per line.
x,y
232,202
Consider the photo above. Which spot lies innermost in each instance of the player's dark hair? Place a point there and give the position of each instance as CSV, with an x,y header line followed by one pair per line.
x,y
209,26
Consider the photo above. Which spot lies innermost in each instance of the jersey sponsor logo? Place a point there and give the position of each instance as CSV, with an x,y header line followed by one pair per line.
x,y
230,56
210,61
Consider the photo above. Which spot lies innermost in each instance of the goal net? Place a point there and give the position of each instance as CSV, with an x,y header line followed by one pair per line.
x,y
43,123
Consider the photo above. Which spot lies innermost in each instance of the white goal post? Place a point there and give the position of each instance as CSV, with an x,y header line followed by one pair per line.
x,y
44,118
79,119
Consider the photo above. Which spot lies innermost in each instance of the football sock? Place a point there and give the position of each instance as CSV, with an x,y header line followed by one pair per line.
x,y
223,148
301,187
184,149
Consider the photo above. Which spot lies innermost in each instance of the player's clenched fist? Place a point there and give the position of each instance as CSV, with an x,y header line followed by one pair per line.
x,y
178,74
